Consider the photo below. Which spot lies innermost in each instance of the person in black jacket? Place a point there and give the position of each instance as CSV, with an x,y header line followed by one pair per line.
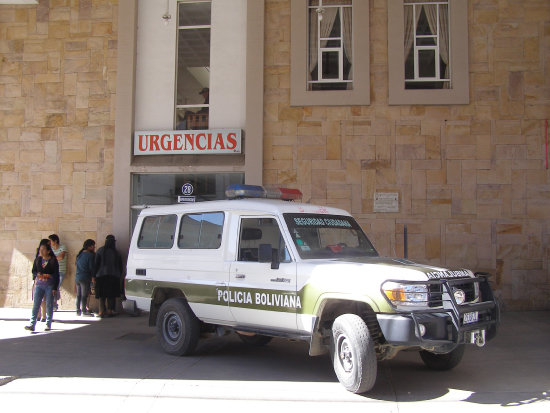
x,y
42,309
108,276
45,273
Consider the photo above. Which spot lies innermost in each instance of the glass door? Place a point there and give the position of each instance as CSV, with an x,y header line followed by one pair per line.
x,y
164,189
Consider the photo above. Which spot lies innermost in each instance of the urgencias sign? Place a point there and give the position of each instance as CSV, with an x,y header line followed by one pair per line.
x,y
188,142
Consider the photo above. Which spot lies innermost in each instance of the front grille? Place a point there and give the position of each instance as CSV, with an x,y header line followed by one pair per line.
x,y
469,289
435,292
435,295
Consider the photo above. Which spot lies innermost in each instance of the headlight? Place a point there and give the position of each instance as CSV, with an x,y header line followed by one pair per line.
x,y
406,294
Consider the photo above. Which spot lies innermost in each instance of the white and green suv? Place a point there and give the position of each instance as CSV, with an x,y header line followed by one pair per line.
x,y
268,268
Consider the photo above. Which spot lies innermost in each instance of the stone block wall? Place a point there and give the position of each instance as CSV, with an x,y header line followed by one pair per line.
x,y
57,100
473,188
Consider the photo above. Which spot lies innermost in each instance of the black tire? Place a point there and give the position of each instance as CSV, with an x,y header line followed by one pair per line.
x,y
178,330
353,354
445,361
256,340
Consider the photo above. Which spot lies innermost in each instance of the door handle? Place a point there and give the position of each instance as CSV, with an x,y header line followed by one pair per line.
x,y
240,276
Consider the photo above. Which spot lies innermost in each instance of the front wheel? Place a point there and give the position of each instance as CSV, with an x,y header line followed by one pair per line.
x,y
178,329
353,353
445,361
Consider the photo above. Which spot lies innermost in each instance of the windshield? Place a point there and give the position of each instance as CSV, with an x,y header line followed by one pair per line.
x,y
328,236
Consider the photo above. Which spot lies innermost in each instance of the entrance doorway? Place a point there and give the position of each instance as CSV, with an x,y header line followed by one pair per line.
x,y
164,189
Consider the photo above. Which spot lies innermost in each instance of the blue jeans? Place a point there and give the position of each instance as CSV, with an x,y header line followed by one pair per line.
x,y
82,290
40,292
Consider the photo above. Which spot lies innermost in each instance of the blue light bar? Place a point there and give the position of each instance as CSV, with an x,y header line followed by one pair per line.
x,y
244,191
256,191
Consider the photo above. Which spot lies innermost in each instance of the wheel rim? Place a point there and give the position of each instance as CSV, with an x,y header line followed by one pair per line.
x,y
172,327
345,355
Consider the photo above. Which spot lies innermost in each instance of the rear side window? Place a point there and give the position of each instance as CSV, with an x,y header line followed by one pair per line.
x,y
157,232
201,231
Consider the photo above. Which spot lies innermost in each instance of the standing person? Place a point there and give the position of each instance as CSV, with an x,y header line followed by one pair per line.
x,y
45,273
85,265
60,252
42,309
108,276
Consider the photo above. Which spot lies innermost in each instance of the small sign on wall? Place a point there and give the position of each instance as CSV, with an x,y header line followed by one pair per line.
x,y
386,202
182,199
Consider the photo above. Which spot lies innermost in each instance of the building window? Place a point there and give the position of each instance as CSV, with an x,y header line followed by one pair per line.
x,y
329,53
330,45
426,43
193,65
428,52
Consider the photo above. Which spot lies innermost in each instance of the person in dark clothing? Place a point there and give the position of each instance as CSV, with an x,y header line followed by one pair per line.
x,y
108,276
85,266
42,309
45,273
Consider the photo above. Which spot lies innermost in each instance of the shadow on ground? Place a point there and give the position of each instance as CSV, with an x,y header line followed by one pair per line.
x,y
512,370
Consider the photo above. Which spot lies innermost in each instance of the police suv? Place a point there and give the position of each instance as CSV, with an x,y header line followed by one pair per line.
x,y
268,268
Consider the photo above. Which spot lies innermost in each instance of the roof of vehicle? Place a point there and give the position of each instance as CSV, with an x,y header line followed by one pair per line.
x,y
253,205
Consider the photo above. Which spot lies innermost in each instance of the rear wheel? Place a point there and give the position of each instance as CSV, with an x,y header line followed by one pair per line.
x,y
353,353
178,329
445,361
255,340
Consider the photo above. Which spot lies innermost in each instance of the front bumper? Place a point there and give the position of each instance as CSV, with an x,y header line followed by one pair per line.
x,y
443,327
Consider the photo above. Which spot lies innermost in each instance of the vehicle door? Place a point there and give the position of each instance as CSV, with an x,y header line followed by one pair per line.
x,y
262,280
201,270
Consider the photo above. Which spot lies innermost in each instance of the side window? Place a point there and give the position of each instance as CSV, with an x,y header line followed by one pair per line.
x,y
166,231
157,232
201,231
256,235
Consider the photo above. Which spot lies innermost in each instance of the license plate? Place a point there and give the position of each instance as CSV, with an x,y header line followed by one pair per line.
x,y
470,318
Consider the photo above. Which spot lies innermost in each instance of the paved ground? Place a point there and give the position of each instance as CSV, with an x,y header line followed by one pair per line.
x,y
87,364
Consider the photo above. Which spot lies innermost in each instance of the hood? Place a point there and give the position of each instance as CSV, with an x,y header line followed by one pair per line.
x,y
385,268
363,277
430,271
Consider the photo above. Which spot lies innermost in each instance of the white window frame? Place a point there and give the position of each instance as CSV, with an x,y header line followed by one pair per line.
x,y
339,50
299,59
204,26
459,91
435,48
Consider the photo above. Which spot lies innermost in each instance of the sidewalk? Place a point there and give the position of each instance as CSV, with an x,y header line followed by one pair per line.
x,y
116,363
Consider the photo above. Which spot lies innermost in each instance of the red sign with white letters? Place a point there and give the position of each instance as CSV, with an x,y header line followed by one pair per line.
x,y
184,142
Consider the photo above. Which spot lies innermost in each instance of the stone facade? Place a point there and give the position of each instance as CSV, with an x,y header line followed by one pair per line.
x,y
57,100
473,188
